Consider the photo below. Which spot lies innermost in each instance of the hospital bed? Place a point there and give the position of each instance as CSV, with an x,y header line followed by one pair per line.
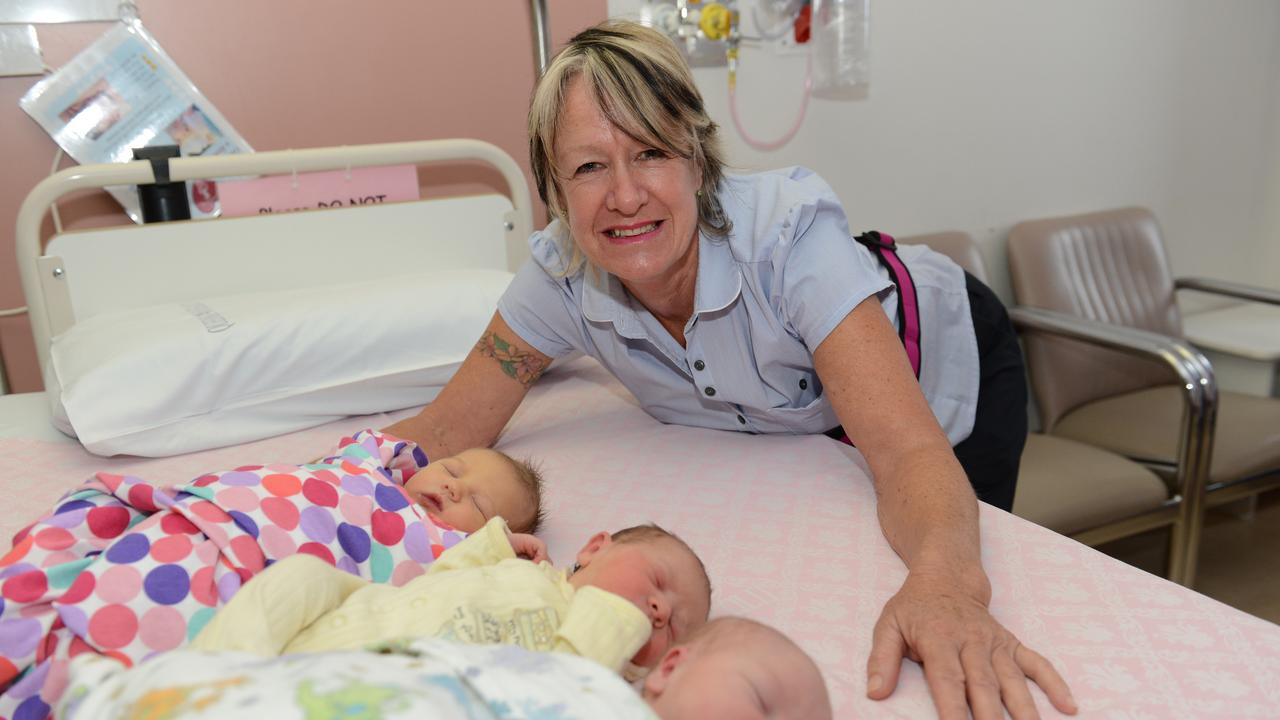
x,y
786,525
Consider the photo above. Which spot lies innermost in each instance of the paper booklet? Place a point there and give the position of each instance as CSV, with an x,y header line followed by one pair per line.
x,y
123,92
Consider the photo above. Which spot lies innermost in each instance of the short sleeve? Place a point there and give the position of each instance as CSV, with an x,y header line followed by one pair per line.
x,y
824,273
539,311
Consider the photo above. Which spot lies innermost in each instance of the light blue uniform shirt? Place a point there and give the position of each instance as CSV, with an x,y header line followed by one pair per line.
x,y
765,296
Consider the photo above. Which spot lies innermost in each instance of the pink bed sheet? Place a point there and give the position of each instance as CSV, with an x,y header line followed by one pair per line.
x,y
788,531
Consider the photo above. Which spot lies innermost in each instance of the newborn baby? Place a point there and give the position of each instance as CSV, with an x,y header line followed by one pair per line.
x,y
632,595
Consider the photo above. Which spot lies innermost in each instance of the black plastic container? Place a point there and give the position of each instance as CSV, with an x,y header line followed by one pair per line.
x,y
163,200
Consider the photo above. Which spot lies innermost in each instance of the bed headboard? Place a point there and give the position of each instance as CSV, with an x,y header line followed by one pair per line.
x,y
87,272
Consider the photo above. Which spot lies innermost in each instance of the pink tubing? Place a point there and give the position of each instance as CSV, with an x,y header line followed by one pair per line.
x,y
767,145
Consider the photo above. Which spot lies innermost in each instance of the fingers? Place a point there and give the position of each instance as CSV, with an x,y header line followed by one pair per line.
x,y
1041,671
981,684
887,648
1013,686
944,674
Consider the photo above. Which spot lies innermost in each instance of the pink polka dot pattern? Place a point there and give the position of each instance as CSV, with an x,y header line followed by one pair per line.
x,y
108,522
134,562
238,498
162,628
119,584
54,538
171,549
113,626
277,542
281,512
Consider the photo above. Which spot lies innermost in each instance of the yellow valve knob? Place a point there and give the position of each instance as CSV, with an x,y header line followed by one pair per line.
x,y
715,21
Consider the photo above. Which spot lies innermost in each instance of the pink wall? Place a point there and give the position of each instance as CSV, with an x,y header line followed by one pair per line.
x,y
305,73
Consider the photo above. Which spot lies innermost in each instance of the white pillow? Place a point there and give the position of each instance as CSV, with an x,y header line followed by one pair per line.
x,y
177,378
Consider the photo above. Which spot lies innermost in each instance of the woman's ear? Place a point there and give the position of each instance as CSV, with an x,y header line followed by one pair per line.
x,y
597,543
658,679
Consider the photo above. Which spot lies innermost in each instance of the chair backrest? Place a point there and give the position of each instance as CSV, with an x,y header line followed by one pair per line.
x,y
956,245
1107,266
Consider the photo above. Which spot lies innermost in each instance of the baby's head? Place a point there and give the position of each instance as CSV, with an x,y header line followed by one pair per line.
x,y
469,488
737,668
655,570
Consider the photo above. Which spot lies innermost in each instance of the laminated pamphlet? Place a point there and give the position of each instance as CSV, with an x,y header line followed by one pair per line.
x,y
124,92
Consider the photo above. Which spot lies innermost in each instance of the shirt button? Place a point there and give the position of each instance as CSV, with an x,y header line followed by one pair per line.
x,y
804,384
710,391
699,365
742,420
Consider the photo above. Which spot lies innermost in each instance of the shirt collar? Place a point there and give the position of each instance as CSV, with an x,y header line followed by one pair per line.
x,y
605,299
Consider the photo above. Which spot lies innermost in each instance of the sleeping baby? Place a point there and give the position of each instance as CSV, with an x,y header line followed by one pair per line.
x,y
128,568
631,596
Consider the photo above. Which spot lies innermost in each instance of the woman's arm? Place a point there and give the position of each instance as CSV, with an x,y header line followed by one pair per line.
x,y
480,398
929,515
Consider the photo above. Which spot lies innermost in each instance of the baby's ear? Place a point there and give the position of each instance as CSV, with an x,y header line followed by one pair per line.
x,y
656,682
597,543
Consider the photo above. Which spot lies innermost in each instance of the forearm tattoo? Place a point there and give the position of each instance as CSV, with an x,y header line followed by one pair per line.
x,y
523,367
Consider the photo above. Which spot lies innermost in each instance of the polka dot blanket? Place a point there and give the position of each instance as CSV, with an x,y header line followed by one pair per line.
x,y
128,569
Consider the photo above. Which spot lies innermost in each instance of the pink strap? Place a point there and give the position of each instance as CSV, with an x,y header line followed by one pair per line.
x,y
885,249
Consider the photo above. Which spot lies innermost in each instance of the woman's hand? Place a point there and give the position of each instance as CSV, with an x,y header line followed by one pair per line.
x,y
528,547
966,654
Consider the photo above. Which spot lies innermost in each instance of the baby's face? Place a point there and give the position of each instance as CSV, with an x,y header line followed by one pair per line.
x,y
745,680
467,489
659,576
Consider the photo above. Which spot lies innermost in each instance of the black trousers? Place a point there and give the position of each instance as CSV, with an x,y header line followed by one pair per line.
x,y
991,454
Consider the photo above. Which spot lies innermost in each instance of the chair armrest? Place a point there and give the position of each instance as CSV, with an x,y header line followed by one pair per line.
x,y
1200,391
1231,289
1190,364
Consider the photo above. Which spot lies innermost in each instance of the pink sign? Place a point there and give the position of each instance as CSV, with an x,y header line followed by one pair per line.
x,y
309,191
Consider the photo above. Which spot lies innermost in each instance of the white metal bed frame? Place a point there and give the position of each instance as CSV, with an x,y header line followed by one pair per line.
x,y
54,306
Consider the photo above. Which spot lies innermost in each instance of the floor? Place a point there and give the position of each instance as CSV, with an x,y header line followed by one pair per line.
x,y
1239,557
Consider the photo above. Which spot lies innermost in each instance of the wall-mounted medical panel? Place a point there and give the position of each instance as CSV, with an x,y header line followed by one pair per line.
x,y
20,51
58,11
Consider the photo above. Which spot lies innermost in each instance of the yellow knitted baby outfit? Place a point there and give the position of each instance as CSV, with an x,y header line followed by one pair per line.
x,y
477,591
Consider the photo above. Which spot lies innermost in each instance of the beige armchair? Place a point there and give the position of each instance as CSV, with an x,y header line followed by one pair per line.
x,y
1078,490
1105,273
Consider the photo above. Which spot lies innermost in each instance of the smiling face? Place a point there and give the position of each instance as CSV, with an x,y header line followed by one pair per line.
x,y
469,488
631,207
660,576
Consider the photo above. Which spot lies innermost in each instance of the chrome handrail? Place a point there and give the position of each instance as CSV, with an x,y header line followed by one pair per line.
x,y
1199,419
1230,289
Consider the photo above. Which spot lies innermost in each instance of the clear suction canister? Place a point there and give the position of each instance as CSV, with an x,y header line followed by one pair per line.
x,y
841,48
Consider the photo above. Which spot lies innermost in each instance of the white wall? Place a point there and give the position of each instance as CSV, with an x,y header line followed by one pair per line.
x,y
1271,199
984,113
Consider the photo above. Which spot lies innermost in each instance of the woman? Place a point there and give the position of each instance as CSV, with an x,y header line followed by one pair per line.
x,y
742,303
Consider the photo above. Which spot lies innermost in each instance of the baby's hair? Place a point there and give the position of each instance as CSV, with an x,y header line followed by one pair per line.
x,y
530,477
650,532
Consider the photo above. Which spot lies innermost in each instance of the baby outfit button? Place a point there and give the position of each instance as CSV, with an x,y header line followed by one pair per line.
x,y
699,365
710,391
804,384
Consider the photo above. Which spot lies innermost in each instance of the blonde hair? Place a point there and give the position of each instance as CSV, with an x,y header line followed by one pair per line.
x,y
530,478
644,87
